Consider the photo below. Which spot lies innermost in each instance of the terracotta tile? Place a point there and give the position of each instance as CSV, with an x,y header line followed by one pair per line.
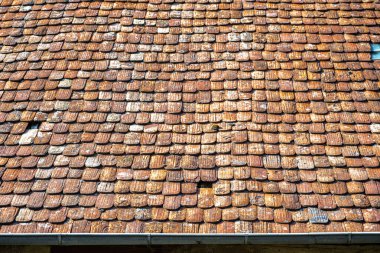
x,y
105,201
265,214
371,215
58,216
8,214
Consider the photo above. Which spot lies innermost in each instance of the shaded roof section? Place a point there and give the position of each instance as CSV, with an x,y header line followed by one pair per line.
x,y
189,116
148,239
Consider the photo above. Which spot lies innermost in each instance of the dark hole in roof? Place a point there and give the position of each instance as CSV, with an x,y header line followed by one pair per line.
x,y
33,125
203,184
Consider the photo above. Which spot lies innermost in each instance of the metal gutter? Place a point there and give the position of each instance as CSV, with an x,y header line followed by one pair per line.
x,y
189,239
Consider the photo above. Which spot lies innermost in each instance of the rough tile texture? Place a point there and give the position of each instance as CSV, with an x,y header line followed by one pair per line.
x,y
189,116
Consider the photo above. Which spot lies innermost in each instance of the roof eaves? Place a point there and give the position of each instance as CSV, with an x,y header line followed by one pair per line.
x,y
189,239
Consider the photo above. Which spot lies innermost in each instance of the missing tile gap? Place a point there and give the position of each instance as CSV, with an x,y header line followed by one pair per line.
x,y
203,184
33,125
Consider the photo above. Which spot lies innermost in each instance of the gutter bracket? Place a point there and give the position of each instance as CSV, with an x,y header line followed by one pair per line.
x,y
149,242
60,239
246,239
349,238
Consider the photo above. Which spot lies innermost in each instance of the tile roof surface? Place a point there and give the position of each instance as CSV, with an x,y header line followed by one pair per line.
x,y
189,116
